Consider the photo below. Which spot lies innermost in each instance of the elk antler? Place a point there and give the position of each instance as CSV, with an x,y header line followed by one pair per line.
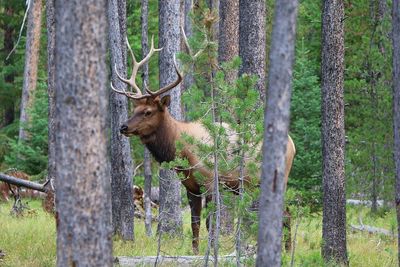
x,y
169,86
136,65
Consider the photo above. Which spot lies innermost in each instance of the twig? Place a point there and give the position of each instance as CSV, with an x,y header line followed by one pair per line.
x,y
294,242
28,4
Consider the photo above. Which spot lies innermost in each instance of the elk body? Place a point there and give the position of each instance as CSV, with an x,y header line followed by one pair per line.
x,y
159,132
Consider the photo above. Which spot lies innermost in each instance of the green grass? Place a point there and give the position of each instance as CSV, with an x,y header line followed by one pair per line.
x,y
30,240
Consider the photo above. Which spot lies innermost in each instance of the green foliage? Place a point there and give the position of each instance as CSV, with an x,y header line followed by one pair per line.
x,y
305,130
368,96
30,156
11,14
232,113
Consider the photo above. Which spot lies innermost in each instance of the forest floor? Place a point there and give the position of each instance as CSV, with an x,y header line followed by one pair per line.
x,y
30,240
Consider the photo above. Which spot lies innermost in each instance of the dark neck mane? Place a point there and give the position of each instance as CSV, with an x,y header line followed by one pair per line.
x,y
161,143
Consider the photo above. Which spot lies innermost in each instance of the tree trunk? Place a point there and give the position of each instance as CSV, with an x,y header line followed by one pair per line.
x,y
51,38
228,41
276,124
170,218
333,137
252,41
188,5
31,63
121,160
396,106
228,48
147,156
84,236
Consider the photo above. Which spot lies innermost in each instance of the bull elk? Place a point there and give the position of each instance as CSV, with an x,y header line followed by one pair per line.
x,y
159,132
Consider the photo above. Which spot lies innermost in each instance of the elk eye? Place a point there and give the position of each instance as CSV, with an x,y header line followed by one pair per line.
x,y
147,113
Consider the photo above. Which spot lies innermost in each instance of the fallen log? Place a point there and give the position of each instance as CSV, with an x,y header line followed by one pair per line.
x,y
24,183
174,260
372,230
367,203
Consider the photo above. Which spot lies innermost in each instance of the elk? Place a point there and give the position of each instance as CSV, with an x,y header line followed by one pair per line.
x,y
159,132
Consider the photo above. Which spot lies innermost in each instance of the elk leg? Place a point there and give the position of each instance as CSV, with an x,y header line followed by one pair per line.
x,y
208,220
195,209
287,235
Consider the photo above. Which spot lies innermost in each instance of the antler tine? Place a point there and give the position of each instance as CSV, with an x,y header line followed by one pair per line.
x,y
128,94
137,65
169,86
150,53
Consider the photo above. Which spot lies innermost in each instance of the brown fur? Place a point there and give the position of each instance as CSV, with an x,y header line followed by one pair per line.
x,y
159,131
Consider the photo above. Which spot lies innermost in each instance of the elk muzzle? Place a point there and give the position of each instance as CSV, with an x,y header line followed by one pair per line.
x,y
123,129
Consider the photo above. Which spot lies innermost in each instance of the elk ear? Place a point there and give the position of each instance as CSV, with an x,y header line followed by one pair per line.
x,y
165,101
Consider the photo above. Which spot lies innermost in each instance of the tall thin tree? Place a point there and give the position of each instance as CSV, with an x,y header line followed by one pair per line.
x,y
31,62
51,38
187,9
170,218
276,124
252,35
121,161
228,48
147,157
396,106
333,137
84,235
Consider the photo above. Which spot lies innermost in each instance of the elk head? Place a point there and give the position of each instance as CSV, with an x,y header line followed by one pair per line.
x,y
150,108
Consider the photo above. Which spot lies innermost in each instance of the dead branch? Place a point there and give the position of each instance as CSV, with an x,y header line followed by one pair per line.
x,y
24,183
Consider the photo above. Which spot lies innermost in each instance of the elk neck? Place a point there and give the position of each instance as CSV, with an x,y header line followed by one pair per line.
x,y
161,143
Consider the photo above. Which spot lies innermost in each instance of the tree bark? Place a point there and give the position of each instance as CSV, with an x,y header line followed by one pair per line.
x,y
276,124
147,157
170,218
396,107
31,62
252,36
333,136
121,160
51,38
228,38
84,236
